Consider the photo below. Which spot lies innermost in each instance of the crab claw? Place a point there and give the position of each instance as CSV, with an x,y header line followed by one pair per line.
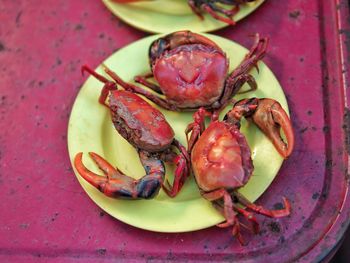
x,y
111,183
270,117
117,185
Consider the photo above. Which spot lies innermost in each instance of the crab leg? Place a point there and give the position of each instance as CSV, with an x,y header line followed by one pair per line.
x,y
223,201
182,161
247,215
197,127
195,10
117,185
211,11
228,211
228,205
234,81
226,12
250,217
138,90
181,173
109,85
142,79
263,211
228,93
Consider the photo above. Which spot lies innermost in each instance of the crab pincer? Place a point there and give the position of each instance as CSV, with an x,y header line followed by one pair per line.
x,y
221,158
147,130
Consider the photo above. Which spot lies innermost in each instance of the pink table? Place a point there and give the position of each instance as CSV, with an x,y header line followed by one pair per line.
x,y
46,216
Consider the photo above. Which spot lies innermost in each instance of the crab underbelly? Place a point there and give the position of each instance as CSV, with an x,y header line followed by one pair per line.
x,y
218,159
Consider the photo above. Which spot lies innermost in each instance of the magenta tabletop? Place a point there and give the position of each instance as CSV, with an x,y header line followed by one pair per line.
x,y
45,215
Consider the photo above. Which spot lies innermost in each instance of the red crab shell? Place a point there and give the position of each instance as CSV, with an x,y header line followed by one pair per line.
x,y
142,125
221,158
192,75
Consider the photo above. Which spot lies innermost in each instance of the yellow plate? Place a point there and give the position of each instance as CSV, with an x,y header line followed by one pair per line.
x,y
90,129
161,16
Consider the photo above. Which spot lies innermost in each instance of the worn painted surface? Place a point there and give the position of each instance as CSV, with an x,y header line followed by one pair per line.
x,y
45,214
